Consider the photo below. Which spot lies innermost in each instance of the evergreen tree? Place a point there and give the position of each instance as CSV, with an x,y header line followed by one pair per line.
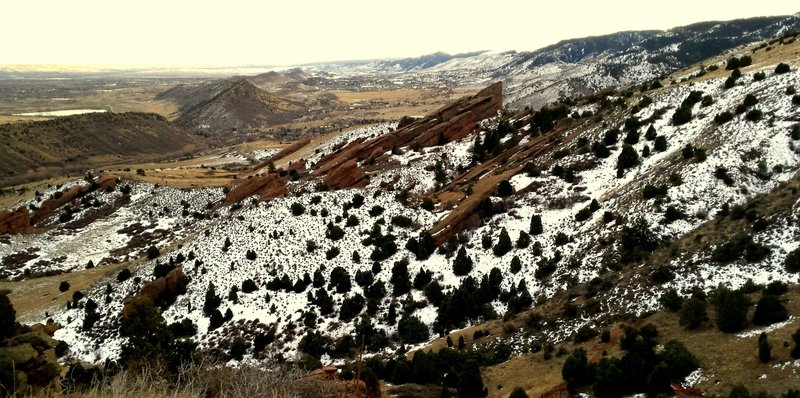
x,y
769,310
536,225
470,382
764,350
8,317
212,301
462,265
516,265
795,353
731,307
651,133
147,332
524,240
504,189
503,245
627,158
401,281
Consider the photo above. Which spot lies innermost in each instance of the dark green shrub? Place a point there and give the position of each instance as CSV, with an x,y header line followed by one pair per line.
x,y
536,225
503,245
769,310
693,313
731,308
297,209
782,68
627,158
754,115
723,117
462,265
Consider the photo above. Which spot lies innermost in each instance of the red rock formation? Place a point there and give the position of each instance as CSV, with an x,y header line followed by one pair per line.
x,y
162,290
15,221
348,175
49,206
449,123
266,186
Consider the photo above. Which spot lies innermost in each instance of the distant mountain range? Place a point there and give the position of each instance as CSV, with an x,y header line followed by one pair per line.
x,y
577,65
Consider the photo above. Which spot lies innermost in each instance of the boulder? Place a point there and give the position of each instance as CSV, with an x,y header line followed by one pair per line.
x,y
15,221
21,356
48,329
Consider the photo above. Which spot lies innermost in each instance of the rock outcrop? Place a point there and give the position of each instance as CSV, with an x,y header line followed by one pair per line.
x,y
266,187
450,123
49,206
163,290
15,221
30,359
347,175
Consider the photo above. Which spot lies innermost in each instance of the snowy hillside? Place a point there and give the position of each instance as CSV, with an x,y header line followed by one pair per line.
x,y
327,263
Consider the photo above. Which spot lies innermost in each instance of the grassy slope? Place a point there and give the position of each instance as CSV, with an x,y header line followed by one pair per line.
x,y
40,149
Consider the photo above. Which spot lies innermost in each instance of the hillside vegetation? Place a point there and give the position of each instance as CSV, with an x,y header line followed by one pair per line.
x,y
37,150
638,240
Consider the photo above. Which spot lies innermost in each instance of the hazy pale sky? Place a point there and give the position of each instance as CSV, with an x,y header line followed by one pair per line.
x,y
239,32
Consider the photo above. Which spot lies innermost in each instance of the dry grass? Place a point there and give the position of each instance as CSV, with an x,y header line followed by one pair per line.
x,y
205,380
32,297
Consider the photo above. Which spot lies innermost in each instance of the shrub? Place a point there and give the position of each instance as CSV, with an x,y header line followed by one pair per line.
x,y
524,240
576,370
721,173
678,359
792,261
731,308
311,246
723,117
152,252
64,286
248,286
503,245
375,211
504,189
693,313
764,350
583,214
462,265
331,253
682,115
611,137
297,209
536,225
600,150
660,143
561,239
759,76
651,191
351,307
123,275
750,100
251,255
411,330
627,158
516,265
782,68
671,300
632,137
585,333
769,310
754,115
796,99
637,241
662,274
673,214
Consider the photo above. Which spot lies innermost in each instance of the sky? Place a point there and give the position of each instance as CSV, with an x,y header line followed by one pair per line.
x,y
287,32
